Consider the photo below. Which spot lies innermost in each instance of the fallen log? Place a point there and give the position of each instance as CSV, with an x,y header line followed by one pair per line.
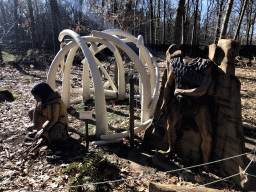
x,y
156,187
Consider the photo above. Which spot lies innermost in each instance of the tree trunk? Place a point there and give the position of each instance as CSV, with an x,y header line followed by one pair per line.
x,y
253,23
193,40
80,14
114,10
143,20
32,24
185,25
207,20
217,33
249,19
3,22
163,42
55,24
178,22
102,13
151,21
134,19
3,15
157,37
226,19
240,20
16,20
128,13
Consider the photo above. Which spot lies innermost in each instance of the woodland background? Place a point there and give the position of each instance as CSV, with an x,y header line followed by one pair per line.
x,y
37,23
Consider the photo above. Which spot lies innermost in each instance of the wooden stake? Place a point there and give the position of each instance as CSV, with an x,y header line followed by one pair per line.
x,y
132,112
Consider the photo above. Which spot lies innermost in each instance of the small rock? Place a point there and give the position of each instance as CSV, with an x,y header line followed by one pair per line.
x,y
199,179
19,163
44,148
64,165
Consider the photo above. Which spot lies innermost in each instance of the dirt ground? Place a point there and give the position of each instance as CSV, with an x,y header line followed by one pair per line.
x,y
41,169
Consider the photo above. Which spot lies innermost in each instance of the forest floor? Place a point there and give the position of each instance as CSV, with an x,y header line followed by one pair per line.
x,y
57,167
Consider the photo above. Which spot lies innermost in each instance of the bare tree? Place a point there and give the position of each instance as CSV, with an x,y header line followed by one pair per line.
x,y
80,14
164,18
241,15
195,24
253,23
2,22
249,20
185,23
127,15
156,20
178,22
151,22
55,24
206,35
32,24
16,19
220,8
226,19
3,14
157,40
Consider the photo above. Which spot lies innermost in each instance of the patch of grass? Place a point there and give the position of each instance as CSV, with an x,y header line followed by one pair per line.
x,y
71,167
90,129
8,57
245,105
8,95
116,117
79,107
246,60
15,95
251,93
149,170
243,80
94,169
72,118
126,128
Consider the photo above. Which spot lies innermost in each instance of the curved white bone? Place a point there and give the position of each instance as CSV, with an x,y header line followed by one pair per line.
x,y
100,103
154,73
60,57
104,142
146,89
150,85
138,129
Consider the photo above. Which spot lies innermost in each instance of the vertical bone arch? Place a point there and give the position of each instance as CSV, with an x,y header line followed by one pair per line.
x,y
145,54
149,81
147,57
100,103
146,89
105,44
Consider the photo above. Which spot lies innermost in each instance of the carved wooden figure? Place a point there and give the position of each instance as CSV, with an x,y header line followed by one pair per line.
x,y
199,110
184,98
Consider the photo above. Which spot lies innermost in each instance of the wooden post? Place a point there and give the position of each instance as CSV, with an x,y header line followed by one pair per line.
x,y
85,116
86,131
131,112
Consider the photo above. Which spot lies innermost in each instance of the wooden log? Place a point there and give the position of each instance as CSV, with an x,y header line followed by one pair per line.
x,y
156,187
